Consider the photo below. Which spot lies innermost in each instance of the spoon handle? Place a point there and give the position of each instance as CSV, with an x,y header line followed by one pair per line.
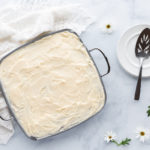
x,y
138,86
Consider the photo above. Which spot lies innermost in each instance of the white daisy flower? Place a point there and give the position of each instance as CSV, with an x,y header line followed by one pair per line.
x,y
107,27
142,134
109,136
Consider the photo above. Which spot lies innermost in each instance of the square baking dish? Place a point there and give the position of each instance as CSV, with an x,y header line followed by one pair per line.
x,y
7,94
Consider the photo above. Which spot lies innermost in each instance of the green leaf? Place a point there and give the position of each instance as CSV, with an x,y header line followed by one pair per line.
x,y
125,142
148,111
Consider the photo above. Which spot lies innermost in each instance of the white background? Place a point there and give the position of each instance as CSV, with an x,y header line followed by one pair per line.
x,y
121,114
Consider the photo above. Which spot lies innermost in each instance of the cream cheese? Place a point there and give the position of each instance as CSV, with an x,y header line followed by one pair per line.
x,y
52,84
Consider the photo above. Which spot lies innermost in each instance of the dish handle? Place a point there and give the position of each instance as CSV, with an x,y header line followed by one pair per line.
x,y
106,59
1,117
4,119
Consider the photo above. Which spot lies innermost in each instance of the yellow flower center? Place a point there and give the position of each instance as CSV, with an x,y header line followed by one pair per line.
x,y
110,137
108,26
142,133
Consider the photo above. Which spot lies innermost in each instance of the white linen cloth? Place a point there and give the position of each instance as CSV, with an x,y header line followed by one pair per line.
x,y
19,23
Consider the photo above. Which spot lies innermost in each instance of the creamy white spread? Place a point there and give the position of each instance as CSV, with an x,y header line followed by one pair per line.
x,y
52,84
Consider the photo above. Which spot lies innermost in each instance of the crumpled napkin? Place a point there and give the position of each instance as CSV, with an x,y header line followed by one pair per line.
x,y
19,24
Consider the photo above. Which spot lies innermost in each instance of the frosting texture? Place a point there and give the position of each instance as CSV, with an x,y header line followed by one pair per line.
x,y
52,84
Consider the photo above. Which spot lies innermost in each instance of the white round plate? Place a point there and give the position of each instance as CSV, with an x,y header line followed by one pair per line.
x,y
126,52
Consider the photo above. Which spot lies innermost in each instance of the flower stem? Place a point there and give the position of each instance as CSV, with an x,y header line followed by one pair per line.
x,y
113,141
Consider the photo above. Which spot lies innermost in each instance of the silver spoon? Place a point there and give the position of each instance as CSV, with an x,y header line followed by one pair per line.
x,y
142,51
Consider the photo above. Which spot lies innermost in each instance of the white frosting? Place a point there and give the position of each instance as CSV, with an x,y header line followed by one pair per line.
x,y
52,84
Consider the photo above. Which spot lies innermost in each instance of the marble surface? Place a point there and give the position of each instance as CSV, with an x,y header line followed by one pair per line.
x,y
121,114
